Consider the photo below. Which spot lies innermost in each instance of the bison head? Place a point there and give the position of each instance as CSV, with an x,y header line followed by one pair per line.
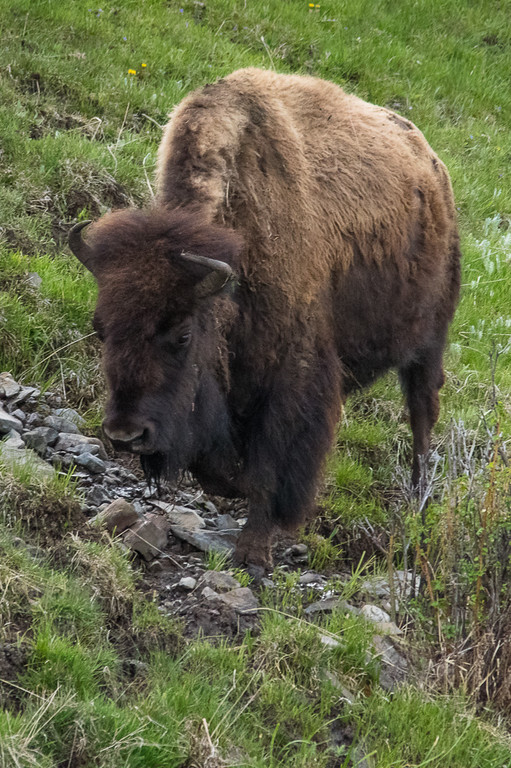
x,y
158,272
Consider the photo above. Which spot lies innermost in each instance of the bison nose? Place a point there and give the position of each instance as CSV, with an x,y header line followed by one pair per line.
x,y
135,438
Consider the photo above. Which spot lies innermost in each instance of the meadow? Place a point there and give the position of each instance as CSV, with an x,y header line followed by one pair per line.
x,y
84,94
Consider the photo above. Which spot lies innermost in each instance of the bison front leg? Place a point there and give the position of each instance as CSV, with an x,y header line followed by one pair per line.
x,y
286,456
253,550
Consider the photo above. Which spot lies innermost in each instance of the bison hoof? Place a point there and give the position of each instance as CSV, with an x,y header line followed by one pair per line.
x,y
256,560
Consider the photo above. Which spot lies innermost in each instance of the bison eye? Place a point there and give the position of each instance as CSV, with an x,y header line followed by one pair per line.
x,y
184,339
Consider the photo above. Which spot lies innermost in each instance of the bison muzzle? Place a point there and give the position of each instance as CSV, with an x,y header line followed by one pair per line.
x,y
301,243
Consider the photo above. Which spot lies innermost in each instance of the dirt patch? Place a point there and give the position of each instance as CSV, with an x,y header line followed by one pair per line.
x,y
13,659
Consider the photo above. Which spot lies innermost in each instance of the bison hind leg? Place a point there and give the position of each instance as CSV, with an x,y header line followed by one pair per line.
x,y
421,381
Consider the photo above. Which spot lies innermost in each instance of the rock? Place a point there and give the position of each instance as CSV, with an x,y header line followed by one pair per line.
x,y
8,422
76,450
311,578
61,425
97,496
25,393
14,440
242,600
160,521
350,696
188,583
376,588
210,507
19,414
388,628
155,567
70,415
8,386
26,457
209,593
90,462
34,420
146,538
67,441
394,665
34,280
184,517
206,541
221,581
330,604
37,439
118,515
227,523
299,549
329,641
374,613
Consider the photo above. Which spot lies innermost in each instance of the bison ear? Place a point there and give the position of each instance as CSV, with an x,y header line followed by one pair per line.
x,y
79,247
219,274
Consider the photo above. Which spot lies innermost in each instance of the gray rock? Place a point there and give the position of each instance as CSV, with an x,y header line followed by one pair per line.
x,y
310,578
67,441
8,386
374,613
209,593
394,666
25,393
14,440
34,420
227,523
90,462
328,605
330,642
155,566
210,507
183,517
188,583
26,457
242,600
221,581
61,424
97,496
8,422
118,515
146,538
206,541
76,450
19,414
34,280
70,415
377,587
40,438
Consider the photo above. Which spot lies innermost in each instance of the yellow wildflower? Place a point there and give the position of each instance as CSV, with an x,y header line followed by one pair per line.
x,y
144,65
132,71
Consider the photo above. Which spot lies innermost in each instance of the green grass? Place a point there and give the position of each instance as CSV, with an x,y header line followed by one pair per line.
x,y
80,135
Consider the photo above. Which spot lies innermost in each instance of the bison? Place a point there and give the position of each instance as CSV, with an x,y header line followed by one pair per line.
x,y
301,243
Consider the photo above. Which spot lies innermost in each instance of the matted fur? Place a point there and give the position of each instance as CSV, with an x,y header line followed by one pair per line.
x,y
339,223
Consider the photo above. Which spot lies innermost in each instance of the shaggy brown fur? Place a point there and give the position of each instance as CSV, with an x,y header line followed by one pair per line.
x,y
338,221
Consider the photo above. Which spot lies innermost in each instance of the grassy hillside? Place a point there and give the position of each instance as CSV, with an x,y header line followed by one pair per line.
x,y
84,93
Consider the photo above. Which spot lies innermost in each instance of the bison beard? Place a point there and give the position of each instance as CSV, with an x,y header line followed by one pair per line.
x,y
337,221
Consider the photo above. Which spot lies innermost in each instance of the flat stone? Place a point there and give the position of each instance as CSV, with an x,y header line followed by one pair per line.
x,y
67,441
388,628
330,604
206,541
221,581
70,415
8,422
61,424
19,414
23,395
188,583
183,517
242,600
90,462
146,538
118,515
26,457
8,386
310,578
210,507
374,613
227,523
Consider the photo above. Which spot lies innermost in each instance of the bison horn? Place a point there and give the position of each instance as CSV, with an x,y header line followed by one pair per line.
x,y
220,273
79,247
